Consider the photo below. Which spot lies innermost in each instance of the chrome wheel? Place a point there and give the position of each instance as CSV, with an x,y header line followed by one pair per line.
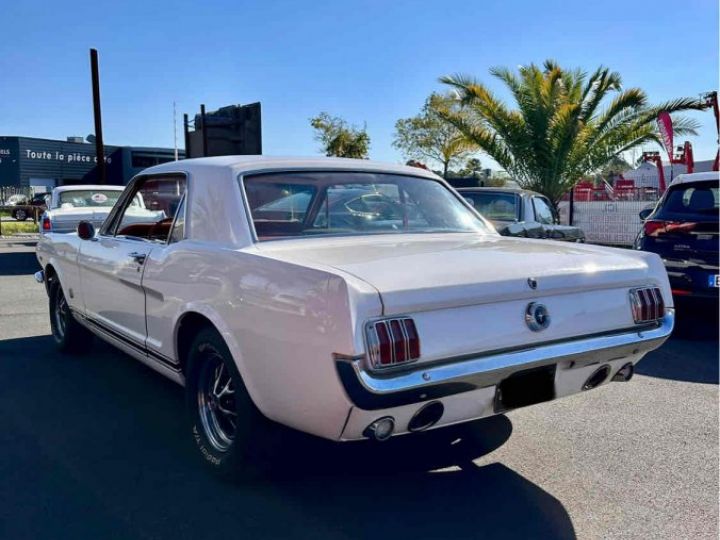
x,y
216,400
62,311
21,215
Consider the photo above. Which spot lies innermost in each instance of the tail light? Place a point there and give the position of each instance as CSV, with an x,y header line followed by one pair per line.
x,y
656,227
46,226
647,304
392,342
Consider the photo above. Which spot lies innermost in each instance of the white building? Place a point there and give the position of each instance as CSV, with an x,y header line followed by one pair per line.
x,y
646,175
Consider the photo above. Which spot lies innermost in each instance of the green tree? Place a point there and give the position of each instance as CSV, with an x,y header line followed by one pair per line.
x,y
339,139
427,136
565,124
616,165
472,167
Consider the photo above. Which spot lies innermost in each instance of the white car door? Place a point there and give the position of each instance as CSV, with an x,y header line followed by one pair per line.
x,y
112,265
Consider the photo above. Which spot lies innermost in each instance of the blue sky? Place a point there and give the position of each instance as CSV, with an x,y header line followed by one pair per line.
x,y
370,62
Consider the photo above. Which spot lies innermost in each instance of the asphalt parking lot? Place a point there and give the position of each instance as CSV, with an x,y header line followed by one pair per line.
x,y
96,447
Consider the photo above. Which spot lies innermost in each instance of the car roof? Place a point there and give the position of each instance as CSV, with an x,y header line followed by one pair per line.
x,y
88,187
696,177
497,190
244,164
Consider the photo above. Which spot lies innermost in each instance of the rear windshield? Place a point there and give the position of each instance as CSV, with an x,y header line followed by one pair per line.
x,y
293,204
695,198
87,198
495,206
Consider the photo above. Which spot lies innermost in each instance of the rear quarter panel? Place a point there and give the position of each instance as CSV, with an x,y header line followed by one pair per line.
x,y
60,251
281,321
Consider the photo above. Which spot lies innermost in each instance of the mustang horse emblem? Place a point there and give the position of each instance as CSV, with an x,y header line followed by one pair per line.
x,y
537,317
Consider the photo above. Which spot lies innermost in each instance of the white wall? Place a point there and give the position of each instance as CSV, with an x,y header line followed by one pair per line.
x,y
607,222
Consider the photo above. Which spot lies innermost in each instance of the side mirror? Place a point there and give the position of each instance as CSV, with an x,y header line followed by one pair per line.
x,y
85,230
645,213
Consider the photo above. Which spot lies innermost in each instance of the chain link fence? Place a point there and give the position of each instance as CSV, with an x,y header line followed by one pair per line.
x,y
615,223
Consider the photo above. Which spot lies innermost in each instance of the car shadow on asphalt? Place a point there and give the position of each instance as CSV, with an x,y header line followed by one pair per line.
x,y
18,263
98,446
691,353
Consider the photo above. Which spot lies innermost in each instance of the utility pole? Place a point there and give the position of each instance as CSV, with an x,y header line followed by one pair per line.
x,y
204,130
175,130
186,129
99,147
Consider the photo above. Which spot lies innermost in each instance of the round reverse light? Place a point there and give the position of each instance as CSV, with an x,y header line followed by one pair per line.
x,y
381,429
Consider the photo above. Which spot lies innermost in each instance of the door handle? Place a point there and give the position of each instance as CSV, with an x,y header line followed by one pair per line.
x,y
138,257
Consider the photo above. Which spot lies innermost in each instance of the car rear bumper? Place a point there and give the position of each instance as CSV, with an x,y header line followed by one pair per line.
x,y
691,280
462,384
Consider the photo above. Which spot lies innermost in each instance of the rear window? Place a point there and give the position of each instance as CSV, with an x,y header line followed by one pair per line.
x,y
695,198
495,206
88,198
292,204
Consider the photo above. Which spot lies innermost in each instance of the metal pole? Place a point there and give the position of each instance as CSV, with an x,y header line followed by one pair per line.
x,y
187,136
204,130
571,208
175,130
99,147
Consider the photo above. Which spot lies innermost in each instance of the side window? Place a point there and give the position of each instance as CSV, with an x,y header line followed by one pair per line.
x,y
178,230
151,208
543,212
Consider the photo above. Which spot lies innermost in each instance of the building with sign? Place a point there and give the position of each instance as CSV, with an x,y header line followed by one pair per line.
x,y
43,164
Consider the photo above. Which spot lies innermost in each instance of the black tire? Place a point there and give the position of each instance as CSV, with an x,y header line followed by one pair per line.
x,y
69,335
20,214
229,430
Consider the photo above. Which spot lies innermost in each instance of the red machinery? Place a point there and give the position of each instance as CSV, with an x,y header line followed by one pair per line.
x,y
711,100
654,157
684,155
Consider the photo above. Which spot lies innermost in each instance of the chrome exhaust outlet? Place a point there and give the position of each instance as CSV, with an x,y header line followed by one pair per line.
x,y
598,377
625,373
427,416
381,429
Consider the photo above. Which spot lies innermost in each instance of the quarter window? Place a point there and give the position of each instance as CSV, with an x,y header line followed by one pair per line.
x,y
178,230
152,208
543,212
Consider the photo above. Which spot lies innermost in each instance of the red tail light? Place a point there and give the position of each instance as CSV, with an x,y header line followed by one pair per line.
x,y
656,227
392,341
46,224
647,304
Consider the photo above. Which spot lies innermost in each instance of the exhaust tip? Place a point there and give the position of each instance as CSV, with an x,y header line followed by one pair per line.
x,y
598,377
625,373
427,416
381,429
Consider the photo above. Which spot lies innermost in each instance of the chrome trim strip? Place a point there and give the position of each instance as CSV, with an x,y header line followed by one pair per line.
x,y
140,349
373,391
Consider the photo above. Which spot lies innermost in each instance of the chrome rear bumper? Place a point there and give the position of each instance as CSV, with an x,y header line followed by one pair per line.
x,y
372,391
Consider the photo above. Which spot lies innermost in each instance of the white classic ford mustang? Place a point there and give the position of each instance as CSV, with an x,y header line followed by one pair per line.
x,y
344,298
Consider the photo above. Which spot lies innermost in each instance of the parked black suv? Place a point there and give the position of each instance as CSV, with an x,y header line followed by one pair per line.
x,y
683,229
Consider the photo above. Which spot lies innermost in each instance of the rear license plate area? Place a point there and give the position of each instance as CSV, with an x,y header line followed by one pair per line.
x,y
524,388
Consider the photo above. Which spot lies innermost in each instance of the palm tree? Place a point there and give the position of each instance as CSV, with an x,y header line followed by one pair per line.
x,y
566,124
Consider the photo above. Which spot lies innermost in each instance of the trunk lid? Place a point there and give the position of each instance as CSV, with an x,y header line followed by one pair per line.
x,y
427,272
67,219
469,294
